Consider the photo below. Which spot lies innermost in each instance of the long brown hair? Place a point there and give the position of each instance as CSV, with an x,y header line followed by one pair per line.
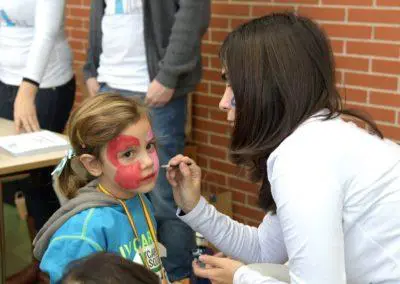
x,y
281,70
91,126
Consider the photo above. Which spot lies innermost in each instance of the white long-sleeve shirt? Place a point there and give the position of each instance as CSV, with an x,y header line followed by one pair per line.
x,y
337,191
33,43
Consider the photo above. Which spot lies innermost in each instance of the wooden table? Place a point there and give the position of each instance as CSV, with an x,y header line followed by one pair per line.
x,y
10,165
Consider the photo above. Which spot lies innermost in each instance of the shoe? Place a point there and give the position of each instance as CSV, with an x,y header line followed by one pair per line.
x,y
28,275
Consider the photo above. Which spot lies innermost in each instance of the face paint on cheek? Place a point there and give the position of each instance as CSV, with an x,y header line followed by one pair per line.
x,y
127,176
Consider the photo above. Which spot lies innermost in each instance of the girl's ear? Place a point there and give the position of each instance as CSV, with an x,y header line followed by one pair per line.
x,y
92,164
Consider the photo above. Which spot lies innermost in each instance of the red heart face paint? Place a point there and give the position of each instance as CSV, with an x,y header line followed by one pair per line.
x,y
127,176
153,154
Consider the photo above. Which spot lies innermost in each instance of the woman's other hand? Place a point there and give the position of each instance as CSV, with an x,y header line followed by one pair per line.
x,y
218,269
25,116
185,179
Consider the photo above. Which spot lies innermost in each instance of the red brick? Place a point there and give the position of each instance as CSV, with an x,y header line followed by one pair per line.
x,y
221,23
79,34
223,167
212,75
202,161
371,81
200,111
218,115
394,3
351,63
220,141
348,2
218,89
325,14
70,22
369,48
210,48
259,11
243,185
211,151
216,63
387,33
218,36
205,100
391,132
337,46
207,125
386,66
347,31
353,95
79,12
199,136
374,16
214,177
298,1
385,99
235,22
380,114
202,87
248,212
252,200
230,9
205,61
74,2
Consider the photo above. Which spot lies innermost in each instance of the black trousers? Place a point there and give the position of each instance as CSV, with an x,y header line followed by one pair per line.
x,y
53,106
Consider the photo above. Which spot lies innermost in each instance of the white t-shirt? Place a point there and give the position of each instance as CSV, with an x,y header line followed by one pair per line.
x,y
123,63
337,191
33,43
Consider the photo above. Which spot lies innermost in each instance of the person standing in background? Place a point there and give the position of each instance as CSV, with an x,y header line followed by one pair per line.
x,y
150,49
37,85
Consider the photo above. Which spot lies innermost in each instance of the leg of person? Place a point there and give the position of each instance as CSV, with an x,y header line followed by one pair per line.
x,y
53,107
7,98
169,128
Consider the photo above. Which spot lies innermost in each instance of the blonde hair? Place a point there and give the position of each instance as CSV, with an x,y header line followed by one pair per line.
x,y
91,126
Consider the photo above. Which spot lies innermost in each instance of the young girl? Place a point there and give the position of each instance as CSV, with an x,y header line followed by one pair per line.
x,y
112,163
333,189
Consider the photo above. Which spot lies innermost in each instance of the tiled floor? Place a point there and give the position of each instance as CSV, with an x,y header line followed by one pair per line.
x,y
18,245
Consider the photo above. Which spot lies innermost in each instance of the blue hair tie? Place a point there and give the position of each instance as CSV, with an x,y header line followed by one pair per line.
x,y
61,165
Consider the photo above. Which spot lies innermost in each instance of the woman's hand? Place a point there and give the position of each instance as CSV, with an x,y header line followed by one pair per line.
x,y
218,269
25,116
185,181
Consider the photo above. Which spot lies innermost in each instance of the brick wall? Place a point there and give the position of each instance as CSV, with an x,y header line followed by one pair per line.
x,y
365,36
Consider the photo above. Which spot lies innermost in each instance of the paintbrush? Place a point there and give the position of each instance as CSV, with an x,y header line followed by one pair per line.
x,y
173,166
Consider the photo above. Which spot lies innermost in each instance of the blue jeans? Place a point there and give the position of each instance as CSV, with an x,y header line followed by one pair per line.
x,y
168,124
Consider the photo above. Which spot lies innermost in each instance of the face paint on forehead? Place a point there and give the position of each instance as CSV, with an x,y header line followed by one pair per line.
x,y
150,135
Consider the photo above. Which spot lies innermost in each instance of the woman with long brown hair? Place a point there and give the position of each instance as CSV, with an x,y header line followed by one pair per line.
x,y
331,189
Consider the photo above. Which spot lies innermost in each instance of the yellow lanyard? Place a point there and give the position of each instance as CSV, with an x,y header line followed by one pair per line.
x,y
149,222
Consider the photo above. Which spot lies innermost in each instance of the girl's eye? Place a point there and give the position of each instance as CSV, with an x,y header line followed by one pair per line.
x,y
233,102
151,146
128,154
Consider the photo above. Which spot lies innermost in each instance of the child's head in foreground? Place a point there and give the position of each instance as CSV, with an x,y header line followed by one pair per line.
x,y
112,140
102,268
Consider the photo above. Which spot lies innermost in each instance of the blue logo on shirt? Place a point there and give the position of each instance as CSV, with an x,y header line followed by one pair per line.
x,y
5,20
119,8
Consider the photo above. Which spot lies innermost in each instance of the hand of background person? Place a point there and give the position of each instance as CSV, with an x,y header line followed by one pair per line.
x,y
158,95
25,116
185,181
92,86
218,269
